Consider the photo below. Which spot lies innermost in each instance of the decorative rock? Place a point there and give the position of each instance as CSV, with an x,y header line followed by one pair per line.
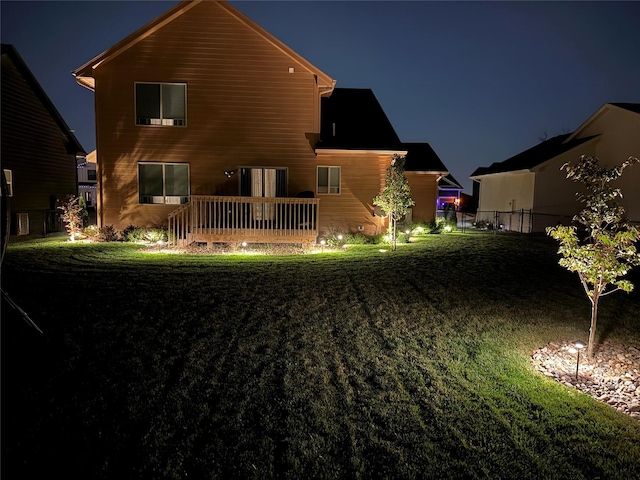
x,y
611,376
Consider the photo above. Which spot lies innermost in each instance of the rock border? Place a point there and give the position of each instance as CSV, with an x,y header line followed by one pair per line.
x,y
612,376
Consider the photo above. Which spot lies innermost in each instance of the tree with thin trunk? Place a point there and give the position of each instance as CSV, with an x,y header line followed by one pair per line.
x,y
395,198
606,250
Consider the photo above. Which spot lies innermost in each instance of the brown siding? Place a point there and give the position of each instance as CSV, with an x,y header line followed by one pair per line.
x,y
33,148
424,191
362,178
243,108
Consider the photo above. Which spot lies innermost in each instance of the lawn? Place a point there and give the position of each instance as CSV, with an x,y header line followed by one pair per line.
x,y
351,364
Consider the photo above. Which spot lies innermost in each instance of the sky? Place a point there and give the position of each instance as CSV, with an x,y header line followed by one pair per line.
x,y
479,81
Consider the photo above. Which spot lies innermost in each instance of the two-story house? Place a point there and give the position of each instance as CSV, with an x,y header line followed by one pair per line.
x,y
38,150
207,120
529,192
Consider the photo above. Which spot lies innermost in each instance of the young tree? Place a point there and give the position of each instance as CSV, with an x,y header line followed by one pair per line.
x,y
395,198
607,250
72,216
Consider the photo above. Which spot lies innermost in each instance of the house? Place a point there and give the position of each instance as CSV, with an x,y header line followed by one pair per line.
x,y
87,179
529,192
421,164
38,150
206,121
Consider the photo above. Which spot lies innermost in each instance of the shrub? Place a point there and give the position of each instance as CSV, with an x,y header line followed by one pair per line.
x,y
108,234
156,234
356,239
132,233
91,231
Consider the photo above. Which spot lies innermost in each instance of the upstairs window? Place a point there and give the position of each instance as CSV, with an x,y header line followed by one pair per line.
x,y
91,174
8,176
163,183
329,180
161,104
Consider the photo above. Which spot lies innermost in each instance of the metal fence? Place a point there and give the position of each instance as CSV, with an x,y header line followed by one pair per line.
x,y
522,221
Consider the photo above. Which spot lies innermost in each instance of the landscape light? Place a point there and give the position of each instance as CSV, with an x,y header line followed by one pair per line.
x,y
579,346
447,228
407,231
244,244
339,237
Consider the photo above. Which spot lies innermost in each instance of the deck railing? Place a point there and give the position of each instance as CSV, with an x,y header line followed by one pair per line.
x,y
208,218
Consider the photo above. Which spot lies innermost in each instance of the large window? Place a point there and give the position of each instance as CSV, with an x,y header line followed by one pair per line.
x,y
8,176
163,182
161,104
329,180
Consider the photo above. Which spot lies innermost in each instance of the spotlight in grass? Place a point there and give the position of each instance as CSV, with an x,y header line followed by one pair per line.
x,y
447,228
244,244
322,244
407,232
382,250
339,237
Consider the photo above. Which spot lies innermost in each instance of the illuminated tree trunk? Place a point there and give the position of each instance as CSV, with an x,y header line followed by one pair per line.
x,y
594,320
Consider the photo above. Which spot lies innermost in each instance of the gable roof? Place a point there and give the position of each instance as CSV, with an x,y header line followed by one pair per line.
x,y
352,119
632,107
422,158
84,74
449,183
72,143
534,156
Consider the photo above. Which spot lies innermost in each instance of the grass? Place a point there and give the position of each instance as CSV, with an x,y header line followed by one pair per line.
x,y
355,364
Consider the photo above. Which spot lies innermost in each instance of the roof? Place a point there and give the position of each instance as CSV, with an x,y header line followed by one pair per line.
x,y
449,183
352,119
633,107
422,158
534,156
84,74
73,145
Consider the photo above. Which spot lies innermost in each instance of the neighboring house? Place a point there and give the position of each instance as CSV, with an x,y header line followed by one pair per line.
x,y
205,119
87,179
529,191
426,174
38,150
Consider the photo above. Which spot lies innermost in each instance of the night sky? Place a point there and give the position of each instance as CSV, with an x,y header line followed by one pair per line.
x,y
479,81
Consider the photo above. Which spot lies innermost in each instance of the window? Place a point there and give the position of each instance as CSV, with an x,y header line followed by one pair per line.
x,y
163,183
91,175
161,104
329,180
8,175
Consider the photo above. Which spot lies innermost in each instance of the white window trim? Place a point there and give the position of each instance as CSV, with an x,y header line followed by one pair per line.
x,y
164,188
329,186
162,122
8,175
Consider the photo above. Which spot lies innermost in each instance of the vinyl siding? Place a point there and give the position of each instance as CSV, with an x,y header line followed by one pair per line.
x,y
34,148
362,176
243,108
424,192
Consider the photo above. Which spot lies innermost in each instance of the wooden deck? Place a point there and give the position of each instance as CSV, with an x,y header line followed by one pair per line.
x,y
220,219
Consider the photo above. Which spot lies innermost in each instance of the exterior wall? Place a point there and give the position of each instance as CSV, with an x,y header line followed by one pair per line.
x,y
362,176
506,191
244,108
424,192
619,140
86,187
33,147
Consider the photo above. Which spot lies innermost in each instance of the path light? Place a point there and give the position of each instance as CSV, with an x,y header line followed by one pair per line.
x,y
579,346
322,243
447,228
339,237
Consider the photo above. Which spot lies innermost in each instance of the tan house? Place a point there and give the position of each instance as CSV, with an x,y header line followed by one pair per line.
x,y
529,192
205,120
